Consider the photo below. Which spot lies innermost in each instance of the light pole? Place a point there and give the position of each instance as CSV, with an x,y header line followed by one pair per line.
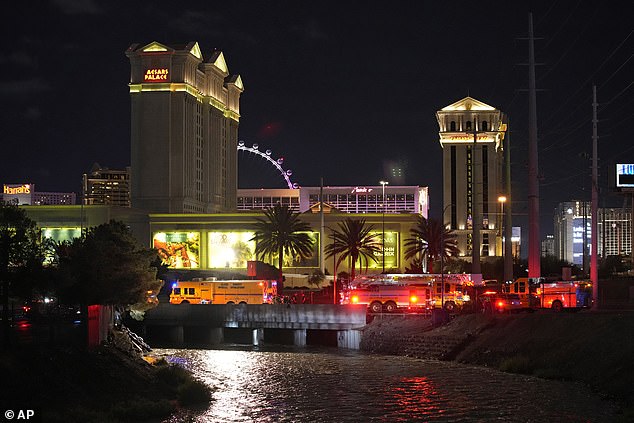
x,y
502,200
383,184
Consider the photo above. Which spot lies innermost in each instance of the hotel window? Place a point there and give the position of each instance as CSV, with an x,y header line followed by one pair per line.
x,y
468,125
485,125
452,126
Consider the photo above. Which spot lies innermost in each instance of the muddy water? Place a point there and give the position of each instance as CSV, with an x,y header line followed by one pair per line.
x,y
328,385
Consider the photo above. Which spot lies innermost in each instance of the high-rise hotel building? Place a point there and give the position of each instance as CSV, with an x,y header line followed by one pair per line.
x,y
471,135
185,113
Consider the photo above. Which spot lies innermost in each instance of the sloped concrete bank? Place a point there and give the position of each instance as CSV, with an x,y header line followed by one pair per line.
x,y
596,348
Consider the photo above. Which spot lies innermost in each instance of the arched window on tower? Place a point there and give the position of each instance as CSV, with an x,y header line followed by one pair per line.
x,y
485,125
468,125
452,126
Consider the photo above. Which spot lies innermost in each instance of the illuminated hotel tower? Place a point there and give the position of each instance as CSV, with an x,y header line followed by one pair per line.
x,y
185,113
459,124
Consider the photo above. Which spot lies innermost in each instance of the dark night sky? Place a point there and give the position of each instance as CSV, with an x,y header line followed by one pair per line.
x,y
340,89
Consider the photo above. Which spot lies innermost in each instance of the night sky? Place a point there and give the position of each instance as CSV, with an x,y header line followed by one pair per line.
x,y
339,89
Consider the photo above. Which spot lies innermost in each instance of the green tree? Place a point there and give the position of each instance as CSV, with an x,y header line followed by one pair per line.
x,y
353,240
429,239
281,233
21,253
107,266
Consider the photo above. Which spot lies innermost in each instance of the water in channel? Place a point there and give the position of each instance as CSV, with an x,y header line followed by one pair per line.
x,y
329,385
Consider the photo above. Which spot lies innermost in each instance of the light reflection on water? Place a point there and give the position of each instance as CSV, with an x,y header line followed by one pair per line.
x,y
327,385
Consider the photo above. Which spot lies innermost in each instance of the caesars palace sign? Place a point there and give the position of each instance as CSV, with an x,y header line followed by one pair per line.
x,y
156,75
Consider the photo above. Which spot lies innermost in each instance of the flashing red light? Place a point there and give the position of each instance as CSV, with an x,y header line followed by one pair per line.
x,y
355,299
413,299
261,284
500,304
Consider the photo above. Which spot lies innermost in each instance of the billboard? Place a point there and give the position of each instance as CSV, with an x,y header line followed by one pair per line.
x,y
391,251
625,175
58,235
312,261
61,234
178,250
230,250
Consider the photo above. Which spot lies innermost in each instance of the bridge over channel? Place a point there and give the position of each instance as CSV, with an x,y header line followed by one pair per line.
x,y
181,324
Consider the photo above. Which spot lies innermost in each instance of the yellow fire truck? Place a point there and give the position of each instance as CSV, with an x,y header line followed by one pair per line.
x,y
223,292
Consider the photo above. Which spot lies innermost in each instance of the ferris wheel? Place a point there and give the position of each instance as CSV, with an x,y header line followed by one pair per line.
x,y
266,155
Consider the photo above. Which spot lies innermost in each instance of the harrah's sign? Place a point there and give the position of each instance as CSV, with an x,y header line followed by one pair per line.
x,y
22,189
156,75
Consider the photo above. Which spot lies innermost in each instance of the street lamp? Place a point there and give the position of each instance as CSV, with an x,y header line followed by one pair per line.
x,y
502,200
383,184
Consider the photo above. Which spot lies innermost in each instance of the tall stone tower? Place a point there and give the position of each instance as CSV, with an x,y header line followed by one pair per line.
x,y
185,114
471,135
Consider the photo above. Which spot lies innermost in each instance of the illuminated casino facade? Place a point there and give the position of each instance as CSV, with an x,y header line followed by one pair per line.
x,y
222,241
185,110
459,123
350,199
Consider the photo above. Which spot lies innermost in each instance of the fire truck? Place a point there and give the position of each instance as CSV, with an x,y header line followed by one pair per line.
x,y
390,298
223,292
565,295
557,295
454,296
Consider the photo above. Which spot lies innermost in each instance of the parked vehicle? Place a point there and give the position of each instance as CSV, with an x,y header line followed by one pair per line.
x,y
223,292
494,302
390,297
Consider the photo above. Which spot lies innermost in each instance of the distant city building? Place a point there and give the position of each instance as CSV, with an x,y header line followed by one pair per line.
x,y
516,242
263,198
548,246
107,186
459,123
614,231
350,199
25,194
185,113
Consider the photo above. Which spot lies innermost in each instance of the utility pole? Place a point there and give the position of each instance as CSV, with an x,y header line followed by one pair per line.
x,y
322,260
534,256
508,222
594,270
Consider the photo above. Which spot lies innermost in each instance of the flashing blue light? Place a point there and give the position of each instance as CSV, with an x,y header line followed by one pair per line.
x,y
174,285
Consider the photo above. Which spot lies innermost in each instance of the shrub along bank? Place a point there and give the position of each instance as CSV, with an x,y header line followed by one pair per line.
x,y
596,348
108,384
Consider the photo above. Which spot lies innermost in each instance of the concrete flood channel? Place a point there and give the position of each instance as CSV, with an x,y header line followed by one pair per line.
x,y
316,384
276,378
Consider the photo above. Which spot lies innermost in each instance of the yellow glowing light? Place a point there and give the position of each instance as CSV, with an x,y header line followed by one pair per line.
x,y
196,51
467,103
220,63
154,46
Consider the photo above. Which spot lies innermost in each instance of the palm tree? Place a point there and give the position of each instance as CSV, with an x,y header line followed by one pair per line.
x,y
430,238
282,232
353,240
